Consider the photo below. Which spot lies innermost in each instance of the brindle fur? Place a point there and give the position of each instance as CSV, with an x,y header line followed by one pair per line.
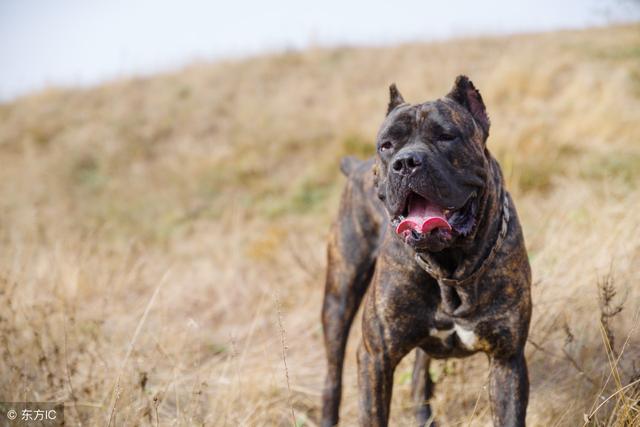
x,y
403,308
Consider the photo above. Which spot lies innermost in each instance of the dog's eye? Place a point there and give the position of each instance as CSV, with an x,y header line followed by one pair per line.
x,y
387,145
446,137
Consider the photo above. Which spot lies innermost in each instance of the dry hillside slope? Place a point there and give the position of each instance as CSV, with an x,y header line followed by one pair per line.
x,y
162,239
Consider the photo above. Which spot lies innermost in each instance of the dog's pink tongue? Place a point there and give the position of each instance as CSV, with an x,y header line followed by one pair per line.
x,y
423,217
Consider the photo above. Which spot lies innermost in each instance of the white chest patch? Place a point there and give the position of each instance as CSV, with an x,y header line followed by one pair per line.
x,y
467,336
442,334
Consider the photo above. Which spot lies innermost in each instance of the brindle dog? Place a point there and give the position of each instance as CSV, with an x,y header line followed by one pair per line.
x,y
430,225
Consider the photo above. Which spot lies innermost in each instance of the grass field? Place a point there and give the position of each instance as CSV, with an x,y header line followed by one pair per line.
x,y
162,240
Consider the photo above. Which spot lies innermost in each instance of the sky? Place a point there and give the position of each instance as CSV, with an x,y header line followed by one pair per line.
x,y
82,42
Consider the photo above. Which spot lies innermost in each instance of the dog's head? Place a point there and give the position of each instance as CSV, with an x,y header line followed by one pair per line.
x,y
431,166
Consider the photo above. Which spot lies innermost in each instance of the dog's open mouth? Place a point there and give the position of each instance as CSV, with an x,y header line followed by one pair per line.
x,y
421,217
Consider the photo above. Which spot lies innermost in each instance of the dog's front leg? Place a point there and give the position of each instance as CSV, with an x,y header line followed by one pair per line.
x,y
422,389
509,390
375,380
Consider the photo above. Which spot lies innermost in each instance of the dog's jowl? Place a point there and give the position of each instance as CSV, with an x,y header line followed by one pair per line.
x,y
429,237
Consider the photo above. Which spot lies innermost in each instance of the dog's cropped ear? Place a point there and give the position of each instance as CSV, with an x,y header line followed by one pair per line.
x,y
395,98
466,94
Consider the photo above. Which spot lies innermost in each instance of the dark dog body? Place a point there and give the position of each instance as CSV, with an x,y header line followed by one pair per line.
x,y
468,290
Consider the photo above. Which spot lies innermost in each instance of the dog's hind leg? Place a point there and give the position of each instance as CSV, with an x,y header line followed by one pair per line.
x,y
351,260
422,389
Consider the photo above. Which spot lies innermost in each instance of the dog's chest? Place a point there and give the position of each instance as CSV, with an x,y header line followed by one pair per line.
x,y
464,336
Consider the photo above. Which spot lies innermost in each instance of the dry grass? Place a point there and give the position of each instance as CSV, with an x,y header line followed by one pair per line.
x,y
162,239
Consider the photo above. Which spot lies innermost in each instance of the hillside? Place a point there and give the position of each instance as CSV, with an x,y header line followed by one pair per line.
x,y
162,239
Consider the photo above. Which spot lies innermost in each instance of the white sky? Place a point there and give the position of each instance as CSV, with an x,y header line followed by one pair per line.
x,y
71,42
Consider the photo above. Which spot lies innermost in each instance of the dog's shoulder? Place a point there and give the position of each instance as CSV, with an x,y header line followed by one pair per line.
x,y
360,192
351,165
360,173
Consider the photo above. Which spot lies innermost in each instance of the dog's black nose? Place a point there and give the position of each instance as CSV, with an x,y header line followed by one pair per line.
x,y
406,163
